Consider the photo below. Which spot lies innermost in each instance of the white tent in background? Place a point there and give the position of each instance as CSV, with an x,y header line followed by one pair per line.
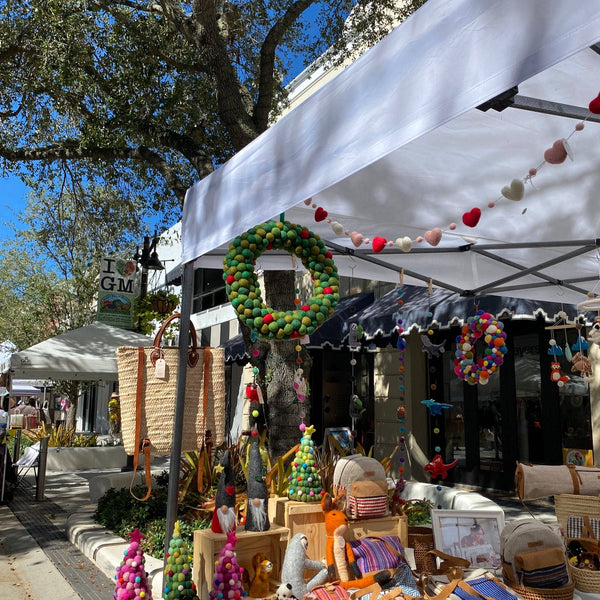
x,y
84,354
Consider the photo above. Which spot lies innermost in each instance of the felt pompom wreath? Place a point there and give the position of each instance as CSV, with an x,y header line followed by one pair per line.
x,y
227,578
178,571
305,481
244,292
131,578
466,366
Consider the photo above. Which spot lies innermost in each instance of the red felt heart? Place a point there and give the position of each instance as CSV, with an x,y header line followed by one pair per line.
x,y
471,218
433,236
378,243
320,214
595,105
556,154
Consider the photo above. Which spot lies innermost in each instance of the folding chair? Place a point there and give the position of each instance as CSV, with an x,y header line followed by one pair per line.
x,y
28,461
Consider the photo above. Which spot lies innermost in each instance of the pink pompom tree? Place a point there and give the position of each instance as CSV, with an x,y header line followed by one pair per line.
x,y
131,578
227,579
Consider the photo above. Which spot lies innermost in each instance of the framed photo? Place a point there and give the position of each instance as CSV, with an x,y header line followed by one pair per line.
x,y
470,534
342,435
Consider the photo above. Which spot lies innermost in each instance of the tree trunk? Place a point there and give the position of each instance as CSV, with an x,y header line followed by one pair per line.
x,y
72,391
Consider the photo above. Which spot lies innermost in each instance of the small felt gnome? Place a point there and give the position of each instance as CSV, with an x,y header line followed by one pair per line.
x,y
131,578
224,518
257,516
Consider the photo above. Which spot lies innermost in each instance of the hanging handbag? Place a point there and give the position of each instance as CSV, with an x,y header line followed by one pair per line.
x,y
147,389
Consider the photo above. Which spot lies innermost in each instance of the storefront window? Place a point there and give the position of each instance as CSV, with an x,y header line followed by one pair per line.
x,y
575,421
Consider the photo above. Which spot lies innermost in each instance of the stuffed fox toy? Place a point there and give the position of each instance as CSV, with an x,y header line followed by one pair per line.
x,y
341,563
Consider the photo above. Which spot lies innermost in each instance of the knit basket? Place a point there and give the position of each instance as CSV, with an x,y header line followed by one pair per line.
x,y
528,593
421,540
584,580
572,504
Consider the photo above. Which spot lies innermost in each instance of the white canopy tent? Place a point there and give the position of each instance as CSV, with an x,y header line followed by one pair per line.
x,y
84,354
394,146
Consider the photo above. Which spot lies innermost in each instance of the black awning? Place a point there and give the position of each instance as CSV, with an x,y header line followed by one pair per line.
x,y
442,309
332,333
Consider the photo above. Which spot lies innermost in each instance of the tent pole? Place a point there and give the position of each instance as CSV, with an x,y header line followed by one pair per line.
x,y
184,340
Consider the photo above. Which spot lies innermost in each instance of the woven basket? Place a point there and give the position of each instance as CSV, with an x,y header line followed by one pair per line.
x,y
528,593
572,504
584,580
421,540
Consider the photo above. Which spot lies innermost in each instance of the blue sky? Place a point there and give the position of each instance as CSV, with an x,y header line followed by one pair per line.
x,y
12,203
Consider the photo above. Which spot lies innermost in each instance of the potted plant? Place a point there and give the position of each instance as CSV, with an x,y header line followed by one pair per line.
x,y
151,310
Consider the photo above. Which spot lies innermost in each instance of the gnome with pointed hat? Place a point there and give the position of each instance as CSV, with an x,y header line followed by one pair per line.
x,y
224,517
257,516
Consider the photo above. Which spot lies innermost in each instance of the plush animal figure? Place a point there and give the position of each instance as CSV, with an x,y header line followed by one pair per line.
x,y
555,375
581,363
594,333
284,592
588,561
296,562
341,563
259,586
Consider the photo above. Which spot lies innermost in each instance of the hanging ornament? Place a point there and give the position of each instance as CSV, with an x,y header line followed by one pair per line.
x,y
437,468
435,408
555,375
404,459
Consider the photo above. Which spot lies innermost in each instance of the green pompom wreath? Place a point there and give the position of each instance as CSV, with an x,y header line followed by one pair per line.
x,y
244,292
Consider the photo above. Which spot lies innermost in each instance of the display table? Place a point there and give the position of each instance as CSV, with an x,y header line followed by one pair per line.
x,y
308,518
208,545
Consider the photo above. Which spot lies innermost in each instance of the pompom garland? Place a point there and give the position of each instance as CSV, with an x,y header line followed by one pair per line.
x,y
244,292
466,366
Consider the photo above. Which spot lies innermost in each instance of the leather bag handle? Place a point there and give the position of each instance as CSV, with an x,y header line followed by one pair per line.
x,y
193,352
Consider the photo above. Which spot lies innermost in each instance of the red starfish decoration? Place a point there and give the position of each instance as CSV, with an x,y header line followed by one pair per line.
x,y
437,467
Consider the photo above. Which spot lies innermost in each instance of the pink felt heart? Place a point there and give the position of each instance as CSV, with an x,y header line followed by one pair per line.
x,y
471,218
320,214
595,105
433,236
357,238
378,243
556,154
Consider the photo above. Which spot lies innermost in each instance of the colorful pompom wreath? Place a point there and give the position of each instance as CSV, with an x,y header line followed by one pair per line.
x,y
244,292
466,366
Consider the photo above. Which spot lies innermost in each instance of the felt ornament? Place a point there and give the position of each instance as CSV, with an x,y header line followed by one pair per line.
x,y
299,385
580,344
341,563
471,218
243,291
594,105
131,578
224,517
582,364
515,192
466,365
433,236
555,375
178,570
594,334
437,468
259,586
435,408
357,238
378,243
320,214
557,154
295,563
257,516
404,243
338,228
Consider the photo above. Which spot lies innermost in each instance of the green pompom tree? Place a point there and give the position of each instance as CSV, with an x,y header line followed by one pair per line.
x,y
305,481
178,571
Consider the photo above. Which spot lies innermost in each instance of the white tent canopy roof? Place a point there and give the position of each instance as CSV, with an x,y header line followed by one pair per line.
x,y
84,354
394,146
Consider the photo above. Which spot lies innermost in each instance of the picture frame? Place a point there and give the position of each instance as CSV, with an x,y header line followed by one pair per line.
x,y
342,435
470,534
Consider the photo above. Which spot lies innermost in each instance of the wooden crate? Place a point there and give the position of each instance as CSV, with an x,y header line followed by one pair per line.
x,y
208,545
308,518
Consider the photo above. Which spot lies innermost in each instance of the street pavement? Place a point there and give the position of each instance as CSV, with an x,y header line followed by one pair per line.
x,y
37,561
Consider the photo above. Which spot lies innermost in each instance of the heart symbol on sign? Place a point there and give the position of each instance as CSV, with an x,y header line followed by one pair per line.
x,y
433,236
378,243
357,238
556,154
515,192
320,214
471,218
404,243
595,105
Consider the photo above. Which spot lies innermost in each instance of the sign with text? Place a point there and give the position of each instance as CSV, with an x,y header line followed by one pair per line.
x,y
119,287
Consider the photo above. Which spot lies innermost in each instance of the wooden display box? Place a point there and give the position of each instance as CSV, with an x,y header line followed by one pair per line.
x,y
208,545
308,518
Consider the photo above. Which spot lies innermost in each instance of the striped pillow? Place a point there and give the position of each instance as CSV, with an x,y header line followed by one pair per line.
x,y
373,554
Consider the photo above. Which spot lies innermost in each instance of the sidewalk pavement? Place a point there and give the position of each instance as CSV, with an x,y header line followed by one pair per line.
x,y
52,549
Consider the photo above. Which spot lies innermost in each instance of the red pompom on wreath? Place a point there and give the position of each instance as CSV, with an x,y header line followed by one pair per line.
x,y
474,371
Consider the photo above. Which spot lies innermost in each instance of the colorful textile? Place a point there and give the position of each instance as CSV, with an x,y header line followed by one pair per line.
x,y
373,554
575,526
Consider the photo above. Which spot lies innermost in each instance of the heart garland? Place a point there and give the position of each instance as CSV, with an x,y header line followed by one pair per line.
x,y
514,192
